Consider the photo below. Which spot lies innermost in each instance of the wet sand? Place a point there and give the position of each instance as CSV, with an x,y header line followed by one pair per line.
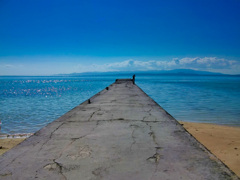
x,y
222,141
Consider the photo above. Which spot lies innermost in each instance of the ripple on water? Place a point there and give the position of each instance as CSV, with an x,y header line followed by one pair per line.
x,y
30,103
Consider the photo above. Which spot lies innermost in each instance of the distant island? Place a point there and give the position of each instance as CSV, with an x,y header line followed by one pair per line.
x,y
182,72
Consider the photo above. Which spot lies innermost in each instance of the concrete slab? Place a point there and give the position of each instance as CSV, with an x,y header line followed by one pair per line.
x,y
121,134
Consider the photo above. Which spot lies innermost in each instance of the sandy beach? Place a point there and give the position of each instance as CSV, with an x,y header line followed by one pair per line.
x,y
222,141
8,143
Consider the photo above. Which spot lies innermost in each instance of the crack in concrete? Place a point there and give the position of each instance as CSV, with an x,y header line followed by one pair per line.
x,y
50,167
147,117
73,140
156,157
50,137
149,111
146,110
33,146
119,119
154,172
15,159
60,167
94,113
152,134
134,139
150,115
99,172
36,144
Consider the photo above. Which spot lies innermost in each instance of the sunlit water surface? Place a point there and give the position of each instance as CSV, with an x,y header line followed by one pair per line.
x,y
30,103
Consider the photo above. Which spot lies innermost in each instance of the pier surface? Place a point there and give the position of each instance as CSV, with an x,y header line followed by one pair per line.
x,y
120,134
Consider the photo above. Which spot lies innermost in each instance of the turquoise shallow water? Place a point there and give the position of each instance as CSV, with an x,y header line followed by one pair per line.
x,y
30,103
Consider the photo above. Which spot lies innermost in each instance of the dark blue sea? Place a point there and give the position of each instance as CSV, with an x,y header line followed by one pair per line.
x,y
30,103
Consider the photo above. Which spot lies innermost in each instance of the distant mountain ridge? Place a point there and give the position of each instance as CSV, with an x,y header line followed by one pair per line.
x,y
151,72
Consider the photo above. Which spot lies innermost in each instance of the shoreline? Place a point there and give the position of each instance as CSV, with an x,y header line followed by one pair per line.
x,y
221,140
8,141
23,135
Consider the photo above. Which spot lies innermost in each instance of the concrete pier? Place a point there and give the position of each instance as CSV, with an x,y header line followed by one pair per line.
x,y
118,134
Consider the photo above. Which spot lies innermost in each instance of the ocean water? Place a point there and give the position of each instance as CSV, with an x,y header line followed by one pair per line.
x,y
30,103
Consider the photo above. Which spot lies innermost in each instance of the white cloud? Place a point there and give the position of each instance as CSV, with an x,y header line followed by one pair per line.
x,y
80,66
124,65
207,63
197,63
8,65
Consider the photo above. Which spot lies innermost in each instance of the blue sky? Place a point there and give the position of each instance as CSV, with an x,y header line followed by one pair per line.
x,y
51,37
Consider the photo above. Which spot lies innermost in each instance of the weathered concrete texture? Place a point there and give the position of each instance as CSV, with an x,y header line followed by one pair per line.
x,y
121,134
